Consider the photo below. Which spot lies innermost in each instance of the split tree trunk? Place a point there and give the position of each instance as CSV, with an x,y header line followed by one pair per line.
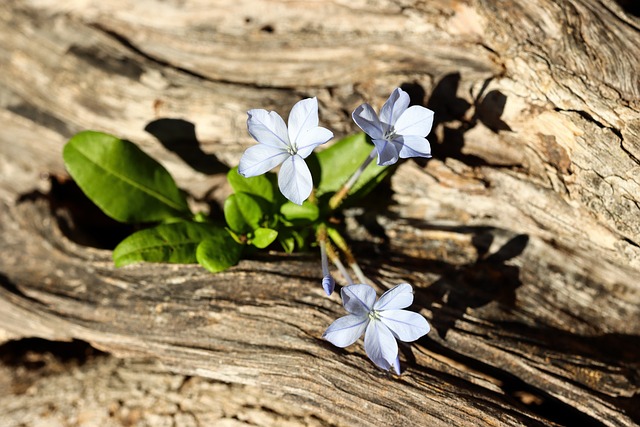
x,y
521,236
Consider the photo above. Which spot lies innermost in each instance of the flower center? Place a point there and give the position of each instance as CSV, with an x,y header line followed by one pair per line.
x,y
292,150
374,315
389,134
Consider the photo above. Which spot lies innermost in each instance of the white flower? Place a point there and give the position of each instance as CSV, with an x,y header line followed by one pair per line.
x,y
399,132
381,322
279,145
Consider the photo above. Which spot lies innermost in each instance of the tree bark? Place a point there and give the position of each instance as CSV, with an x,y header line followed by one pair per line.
x,y
521,236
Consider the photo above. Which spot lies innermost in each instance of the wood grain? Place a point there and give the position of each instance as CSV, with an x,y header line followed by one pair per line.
x,y
521,235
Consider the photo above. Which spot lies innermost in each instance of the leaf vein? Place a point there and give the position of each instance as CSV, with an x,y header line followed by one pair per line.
x,y
134,184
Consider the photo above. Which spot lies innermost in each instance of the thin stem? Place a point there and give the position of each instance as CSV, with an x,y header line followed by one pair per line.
x,y
328,282
336,261
321,238
339,241
323,257
359,274
343,271
340,195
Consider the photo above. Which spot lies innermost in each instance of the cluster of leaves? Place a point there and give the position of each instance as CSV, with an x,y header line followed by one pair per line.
x,y
131,187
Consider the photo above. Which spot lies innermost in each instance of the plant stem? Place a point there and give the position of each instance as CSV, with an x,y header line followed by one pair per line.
x,y
321,236
359,274
340,195
341,243
343,270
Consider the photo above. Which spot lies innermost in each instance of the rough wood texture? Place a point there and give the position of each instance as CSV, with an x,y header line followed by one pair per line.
x,y
521,235
70,384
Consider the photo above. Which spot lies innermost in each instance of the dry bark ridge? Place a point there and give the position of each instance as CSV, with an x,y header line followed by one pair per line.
x,y
521,235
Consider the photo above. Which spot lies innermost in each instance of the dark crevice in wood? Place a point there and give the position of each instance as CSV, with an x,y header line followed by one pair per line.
x,y
629,405
31,360
267,29
615,131
14,291
126,43
631,242
546,406
588,117
78,218
632,7
623,148
35,353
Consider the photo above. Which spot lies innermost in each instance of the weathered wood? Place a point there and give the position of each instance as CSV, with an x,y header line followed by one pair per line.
x,y
521,235
84,388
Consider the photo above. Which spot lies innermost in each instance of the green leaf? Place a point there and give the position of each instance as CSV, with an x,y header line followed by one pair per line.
x,y
307,212
200,217
218,252
263,237
300,237
290,238
172,243
338,162
123,181
243,212
287,241
261,185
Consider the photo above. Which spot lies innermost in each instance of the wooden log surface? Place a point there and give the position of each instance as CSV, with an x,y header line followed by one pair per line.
x,y
521,236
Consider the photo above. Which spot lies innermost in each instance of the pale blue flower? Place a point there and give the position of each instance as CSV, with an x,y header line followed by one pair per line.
x,y
400,130
382,322
328,284
287,147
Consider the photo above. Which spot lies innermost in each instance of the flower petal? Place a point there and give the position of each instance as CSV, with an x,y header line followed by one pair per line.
x,y
259,159
295,180
416,120
400,296
303,116
387,152
367,120
358,299
328,284
346,330
308,140
405,325
380,345
396,365
394,107
267,127
413,146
